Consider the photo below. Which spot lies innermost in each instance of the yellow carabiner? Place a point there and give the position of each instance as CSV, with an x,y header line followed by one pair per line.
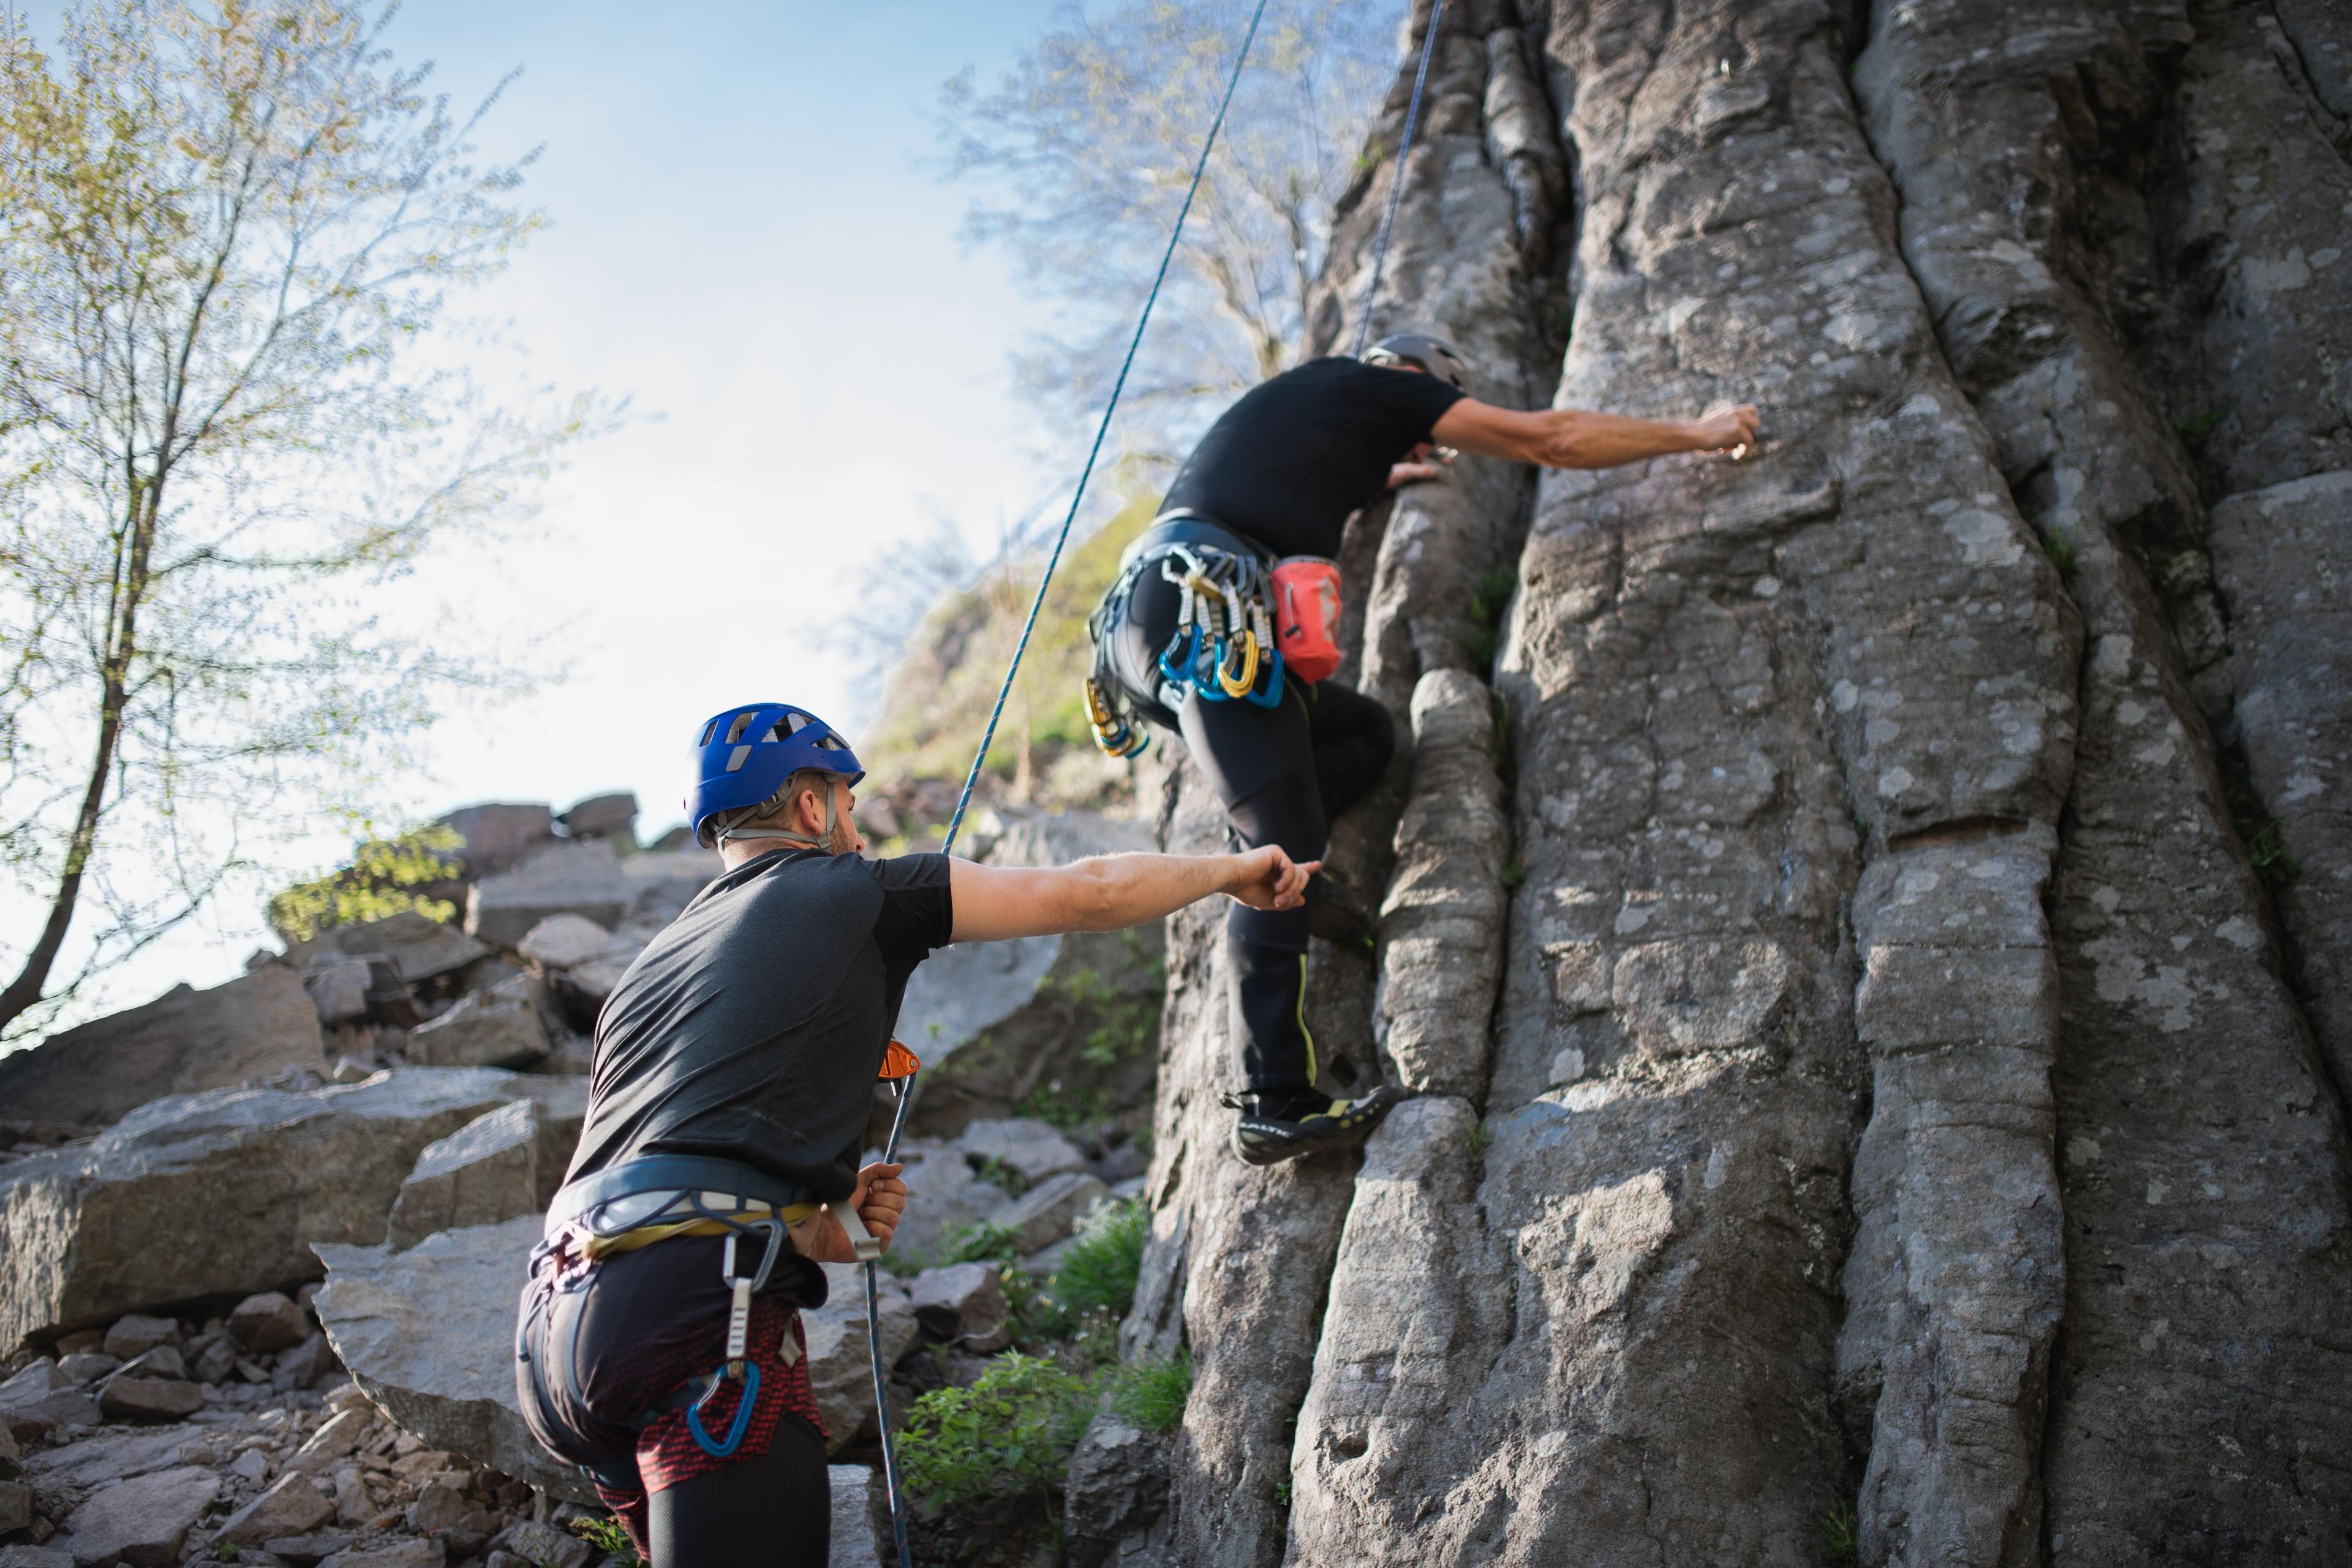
x,y
1233,686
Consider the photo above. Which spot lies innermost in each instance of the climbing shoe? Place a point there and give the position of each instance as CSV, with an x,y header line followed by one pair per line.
x,y
1277,1127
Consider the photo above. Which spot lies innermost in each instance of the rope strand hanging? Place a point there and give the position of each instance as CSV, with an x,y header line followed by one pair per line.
x,y
1396,182
905,1092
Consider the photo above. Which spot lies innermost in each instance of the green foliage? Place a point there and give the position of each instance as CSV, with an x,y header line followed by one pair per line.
x,y
1152,1393
226,1552
1487,604
2266,849
1099,1270
381,880
2264,838
1071,1108
2061,546
992,1168
1840,1535
1515,874
2195,433
1131,1019
603,1532
1477,1141
985,1242
1011,1431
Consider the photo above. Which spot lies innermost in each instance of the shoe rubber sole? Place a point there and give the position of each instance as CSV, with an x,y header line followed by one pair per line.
x,y
1265,1142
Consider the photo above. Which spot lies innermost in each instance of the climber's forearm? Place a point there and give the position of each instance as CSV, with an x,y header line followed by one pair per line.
x,y
1111,892
1580,438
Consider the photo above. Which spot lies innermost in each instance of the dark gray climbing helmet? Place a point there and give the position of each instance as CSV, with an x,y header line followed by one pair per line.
x,y
1435,355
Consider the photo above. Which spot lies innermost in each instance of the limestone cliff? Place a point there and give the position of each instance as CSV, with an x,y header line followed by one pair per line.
x,y
1872,927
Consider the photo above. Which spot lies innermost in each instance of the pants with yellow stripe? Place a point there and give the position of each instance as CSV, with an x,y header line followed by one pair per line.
x,y
1283,772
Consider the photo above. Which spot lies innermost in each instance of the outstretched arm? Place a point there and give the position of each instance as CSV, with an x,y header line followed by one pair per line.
x,y
1574,439
1111,892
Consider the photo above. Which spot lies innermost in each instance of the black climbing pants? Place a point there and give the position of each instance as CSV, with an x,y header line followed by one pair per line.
x,y
1283,772
774,1511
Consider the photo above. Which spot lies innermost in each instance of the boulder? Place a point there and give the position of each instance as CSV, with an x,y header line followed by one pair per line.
x,y
291,1507
485,1172
497,834
428,1334
562,878
996,1023
498,1027
840,1369
1046,1213
558,941
664,881
964,1302
1115,1496
417,946
184,1041
39,1398
140,1523
131,1398
268,1322
35,1557
339,989
303,1365
601,816
136,1333
218,1194
1029,1150
15,1506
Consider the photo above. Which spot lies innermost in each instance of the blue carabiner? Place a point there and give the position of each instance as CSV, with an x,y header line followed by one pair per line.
x,y
1208,690
1192,651
742,1423
1273,692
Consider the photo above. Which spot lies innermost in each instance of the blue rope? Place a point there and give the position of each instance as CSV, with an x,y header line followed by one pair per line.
x,y
1396,182
988,737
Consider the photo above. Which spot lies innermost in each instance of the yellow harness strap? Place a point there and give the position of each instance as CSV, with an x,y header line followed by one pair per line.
x,y
601,1247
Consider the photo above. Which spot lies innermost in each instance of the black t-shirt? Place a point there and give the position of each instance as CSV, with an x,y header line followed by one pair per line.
x,y
1296,455
751,1028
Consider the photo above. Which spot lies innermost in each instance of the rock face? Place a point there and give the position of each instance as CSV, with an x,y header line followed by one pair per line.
x,y
1877,985
582,878
217,1193
184,1041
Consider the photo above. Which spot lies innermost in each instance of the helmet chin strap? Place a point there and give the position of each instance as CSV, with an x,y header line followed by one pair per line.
x,y
802,840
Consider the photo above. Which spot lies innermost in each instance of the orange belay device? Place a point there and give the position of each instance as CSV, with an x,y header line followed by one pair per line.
x,y
899,1064
899,1067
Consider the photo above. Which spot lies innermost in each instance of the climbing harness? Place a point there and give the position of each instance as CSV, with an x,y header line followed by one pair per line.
x,y
1224,630
1396,184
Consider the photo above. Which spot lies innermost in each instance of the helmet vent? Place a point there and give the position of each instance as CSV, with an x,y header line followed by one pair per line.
x,y
735,733
735,759
707,730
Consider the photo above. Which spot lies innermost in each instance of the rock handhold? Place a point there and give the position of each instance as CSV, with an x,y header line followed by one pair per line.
x,y
268,1322
498,1027
582,878
428,1334
184,1041
141,1522
218,1194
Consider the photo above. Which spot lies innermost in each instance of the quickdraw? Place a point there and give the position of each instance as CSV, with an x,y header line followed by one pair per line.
x,y
1224,642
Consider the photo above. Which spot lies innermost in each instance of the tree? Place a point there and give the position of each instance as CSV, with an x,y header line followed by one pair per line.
x,y
1089,143
228,415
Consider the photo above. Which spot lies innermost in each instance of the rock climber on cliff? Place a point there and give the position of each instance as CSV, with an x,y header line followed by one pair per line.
x,y
659,1348
1254,515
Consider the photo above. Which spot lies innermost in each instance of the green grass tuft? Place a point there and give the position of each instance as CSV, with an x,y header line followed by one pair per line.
x,y
1840,1535
1152,1393
603,1532
1099,1272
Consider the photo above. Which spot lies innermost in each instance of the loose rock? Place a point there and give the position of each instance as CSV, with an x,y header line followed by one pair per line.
x,y
1028,1149
140,1523
1047,1212
498,1027
964,1302
268,1322
150,1398
136,1333
292,1507
562,879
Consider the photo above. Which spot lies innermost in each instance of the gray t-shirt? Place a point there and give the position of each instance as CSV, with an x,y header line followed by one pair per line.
x,y
751,1028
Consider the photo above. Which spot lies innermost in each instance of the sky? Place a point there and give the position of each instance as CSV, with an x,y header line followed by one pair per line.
x,y
753,241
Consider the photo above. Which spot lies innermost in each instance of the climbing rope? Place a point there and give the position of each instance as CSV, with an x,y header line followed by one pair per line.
x,y
1396,182
905,1088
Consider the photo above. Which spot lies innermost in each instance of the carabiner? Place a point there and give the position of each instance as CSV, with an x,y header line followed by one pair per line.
x,y
1192,651
1238,683
725,1449
1273,692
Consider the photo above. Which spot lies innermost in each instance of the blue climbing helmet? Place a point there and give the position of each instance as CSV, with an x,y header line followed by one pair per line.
x,y
744,757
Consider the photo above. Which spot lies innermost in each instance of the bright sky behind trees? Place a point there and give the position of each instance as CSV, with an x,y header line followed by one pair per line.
x,y
751,240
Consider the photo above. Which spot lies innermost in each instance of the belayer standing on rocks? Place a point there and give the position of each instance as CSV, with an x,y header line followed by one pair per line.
x,y
1221,626
659,1347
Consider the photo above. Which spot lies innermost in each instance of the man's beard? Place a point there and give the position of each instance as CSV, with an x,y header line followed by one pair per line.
x,y
844,839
